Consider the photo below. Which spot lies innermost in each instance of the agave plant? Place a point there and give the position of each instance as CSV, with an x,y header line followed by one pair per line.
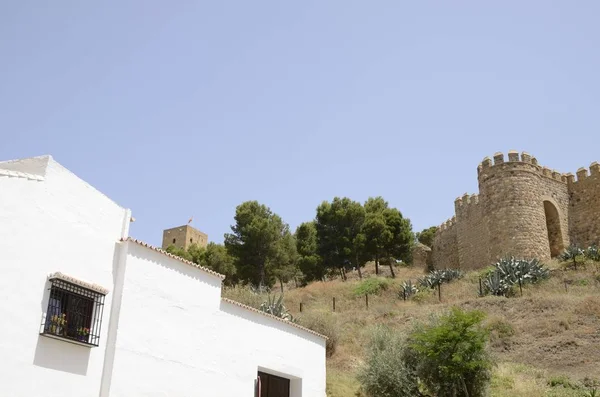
x,y
496,285
437,277
276,308
408,289
510,271
593,253
573,254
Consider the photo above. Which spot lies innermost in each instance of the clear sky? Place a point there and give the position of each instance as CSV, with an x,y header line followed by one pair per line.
x,y
186,108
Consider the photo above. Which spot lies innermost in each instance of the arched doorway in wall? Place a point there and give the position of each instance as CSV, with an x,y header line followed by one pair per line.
x,y
555,238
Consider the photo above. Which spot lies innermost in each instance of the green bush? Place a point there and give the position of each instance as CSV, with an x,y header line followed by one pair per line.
x,y
372,286
562,381
326,324
385,373
449,355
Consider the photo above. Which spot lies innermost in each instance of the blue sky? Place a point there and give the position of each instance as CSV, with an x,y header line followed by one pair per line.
x,y
181,108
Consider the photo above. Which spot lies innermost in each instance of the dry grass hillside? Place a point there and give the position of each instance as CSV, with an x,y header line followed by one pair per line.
x,y
544,342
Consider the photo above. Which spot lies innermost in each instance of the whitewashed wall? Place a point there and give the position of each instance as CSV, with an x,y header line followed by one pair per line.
x,y
165,329
57,224
177,338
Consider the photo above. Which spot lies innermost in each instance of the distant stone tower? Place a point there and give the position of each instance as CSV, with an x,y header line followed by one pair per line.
x,y
523,209
183,237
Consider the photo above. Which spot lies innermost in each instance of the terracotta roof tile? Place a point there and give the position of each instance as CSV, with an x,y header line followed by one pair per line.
x,y
310,331
204,269
19,174
81,283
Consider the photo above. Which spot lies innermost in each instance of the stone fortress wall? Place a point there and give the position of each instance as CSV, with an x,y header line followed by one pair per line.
x,y
522,209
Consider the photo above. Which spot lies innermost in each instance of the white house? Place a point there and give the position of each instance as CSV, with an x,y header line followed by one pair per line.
x,y
88,311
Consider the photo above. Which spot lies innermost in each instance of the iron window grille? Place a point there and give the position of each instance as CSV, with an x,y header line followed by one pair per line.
x,y
74,313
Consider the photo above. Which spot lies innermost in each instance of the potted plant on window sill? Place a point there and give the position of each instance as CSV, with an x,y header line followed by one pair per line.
x,y
58,323
83,333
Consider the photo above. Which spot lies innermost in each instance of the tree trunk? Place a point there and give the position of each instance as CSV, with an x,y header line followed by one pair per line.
x,y
464,387
376,264
392,268
358,268
262,276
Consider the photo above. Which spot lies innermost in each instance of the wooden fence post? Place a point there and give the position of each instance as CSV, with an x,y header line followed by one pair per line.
x,y
334,303
300,307
480,287
440,291
520,286
367,300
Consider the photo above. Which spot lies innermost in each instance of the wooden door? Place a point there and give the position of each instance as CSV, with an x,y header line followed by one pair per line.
x,y
274,386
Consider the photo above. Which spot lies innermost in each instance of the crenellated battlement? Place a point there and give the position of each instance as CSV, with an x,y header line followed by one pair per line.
x,y
516,161
467,204
584,173
523,208
448,225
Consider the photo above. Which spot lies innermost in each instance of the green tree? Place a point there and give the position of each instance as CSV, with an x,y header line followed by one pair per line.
x,y
449,355
253,242
388,235
180,252
339,234
309,261
283,264
426,236
216,257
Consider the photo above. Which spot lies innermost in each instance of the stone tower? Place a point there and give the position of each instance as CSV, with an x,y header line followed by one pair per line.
x,y
183,237
522,209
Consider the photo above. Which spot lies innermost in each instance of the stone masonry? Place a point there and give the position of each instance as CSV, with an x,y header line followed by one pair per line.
x,y
183,237
522,209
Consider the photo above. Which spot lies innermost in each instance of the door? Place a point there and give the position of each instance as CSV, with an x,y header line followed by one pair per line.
x,y
273,386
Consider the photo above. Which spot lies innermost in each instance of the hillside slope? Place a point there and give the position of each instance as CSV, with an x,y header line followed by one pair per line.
x,y
550,335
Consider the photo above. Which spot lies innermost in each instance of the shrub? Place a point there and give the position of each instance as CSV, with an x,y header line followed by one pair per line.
x,y
245,294
501,327
371,286
385,373
437,277
564,381
449,355
510,271
325,324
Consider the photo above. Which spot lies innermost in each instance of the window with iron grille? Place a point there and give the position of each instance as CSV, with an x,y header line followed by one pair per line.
x,y
74,313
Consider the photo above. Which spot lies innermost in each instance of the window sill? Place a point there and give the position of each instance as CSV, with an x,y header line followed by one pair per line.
x,y
68,340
